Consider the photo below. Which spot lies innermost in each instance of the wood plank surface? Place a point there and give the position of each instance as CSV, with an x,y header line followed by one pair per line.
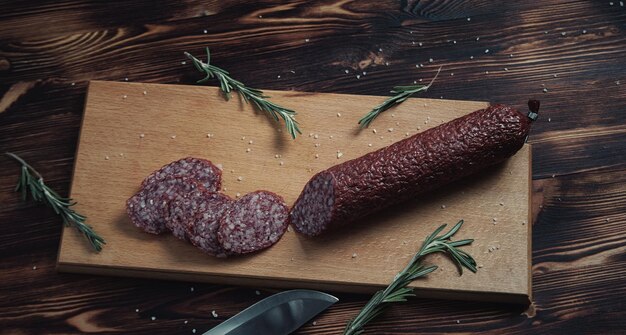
x,y
255,153
578,142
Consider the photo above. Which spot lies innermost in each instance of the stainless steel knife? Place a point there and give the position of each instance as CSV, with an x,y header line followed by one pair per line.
x,y
279,314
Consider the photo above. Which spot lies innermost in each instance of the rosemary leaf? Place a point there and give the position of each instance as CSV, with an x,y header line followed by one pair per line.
x,y
249,95
31,181
398,290
401,94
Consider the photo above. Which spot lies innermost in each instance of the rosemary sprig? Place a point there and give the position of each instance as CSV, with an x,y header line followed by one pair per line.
x,y
401,94
31,181
252,95
398,291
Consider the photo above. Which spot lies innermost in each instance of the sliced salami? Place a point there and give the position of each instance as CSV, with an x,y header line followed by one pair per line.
x,y
149,207
201,170
196,218
254,222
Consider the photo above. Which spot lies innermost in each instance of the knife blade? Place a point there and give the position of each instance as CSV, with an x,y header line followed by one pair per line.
x,y
278,314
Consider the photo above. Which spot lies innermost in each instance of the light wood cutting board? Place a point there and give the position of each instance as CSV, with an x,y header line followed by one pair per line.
x,y
131,129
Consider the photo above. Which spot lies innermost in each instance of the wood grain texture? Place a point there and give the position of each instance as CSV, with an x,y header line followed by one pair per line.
x,y
578,256
112,159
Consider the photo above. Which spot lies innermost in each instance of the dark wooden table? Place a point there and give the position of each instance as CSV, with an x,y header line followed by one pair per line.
x,y
569,54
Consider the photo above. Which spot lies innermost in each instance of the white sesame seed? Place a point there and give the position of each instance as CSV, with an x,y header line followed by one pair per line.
x,y
380,49
430,60
306,40
106,157
330,136
214,313
369,144
390,129
153,318
354,255
545,90
186,322
124,96
374,131
480,266
278,76
458,321
193,330
240,178
611,3
346,71
316,136
511,56
317,145
173,136
317,156
417,65
121,154
471,57
443,206
257,292
338,114
142,135
314,323
563,33
469,19
386,63
358,76
238,194
420,44
478,38
339,154
35,267
183,62
250,142
617,82
191,289
621,3
549,119
506,69
205,31
136,310
486,72
584,31
73,84
126,79
453,42
555,75
281,163
486,51
413,42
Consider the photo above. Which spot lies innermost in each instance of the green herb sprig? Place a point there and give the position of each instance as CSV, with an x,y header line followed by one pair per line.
x,y
401,94
249,95
398,290
32,182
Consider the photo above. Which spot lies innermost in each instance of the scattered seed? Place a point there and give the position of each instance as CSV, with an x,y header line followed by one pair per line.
x,y
339,154
453,42
193,330
257,292
369,145
126,79
240,178
317,156
458,321
480,266
386,63
330,136
380,49
306,40
451,74
486,51
106,157
136,310
584,31
142,135
243,138
477,38
545,90
278,76
73,84
214,313
506,69
124,96
338,114
191,289
238,194
471,57
420,44
354,255
549,119
35,267
469,19
173,136
430,60
563,33
153,318
183,62
502,204
314,323
317,145
390,129
281,163
374,131
358,76
316,136
486,72
511,56
443,206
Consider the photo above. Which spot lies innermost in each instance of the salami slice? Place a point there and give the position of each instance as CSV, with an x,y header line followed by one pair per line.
x,y
196,218
357,188
201,170
148,208
254,222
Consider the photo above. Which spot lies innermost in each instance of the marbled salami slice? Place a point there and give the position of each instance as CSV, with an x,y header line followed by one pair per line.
x,y
254,222
195,218
201,170
149,207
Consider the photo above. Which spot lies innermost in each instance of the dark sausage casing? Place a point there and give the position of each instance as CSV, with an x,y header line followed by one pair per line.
x,y
405,169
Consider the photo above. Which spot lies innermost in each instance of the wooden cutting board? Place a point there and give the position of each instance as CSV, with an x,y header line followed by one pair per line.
x,y
131,129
